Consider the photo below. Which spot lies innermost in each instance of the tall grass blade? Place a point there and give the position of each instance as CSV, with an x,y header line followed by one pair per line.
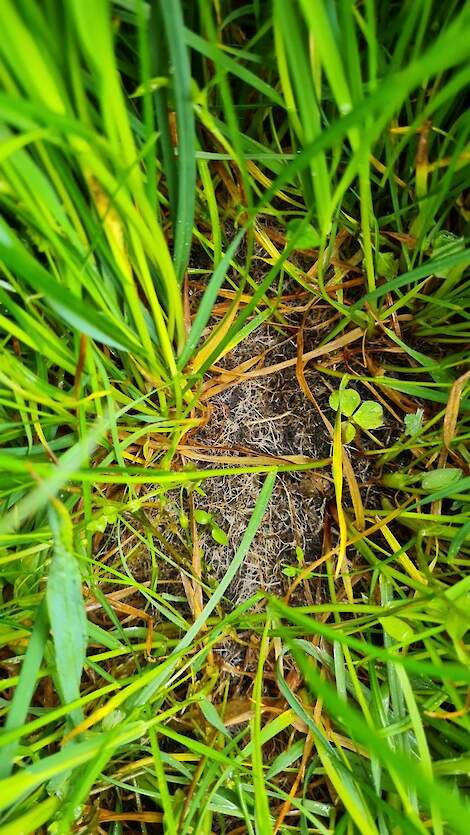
x,y
66,608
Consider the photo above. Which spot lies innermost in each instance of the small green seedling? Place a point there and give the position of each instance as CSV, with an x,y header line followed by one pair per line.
x,y
307,239
202,517
387,265
438,479
294,570
414,422
366,415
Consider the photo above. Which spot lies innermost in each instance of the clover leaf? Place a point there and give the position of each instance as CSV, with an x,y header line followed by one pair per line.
x,y
414,422
370,415
366,415
345,401
348,432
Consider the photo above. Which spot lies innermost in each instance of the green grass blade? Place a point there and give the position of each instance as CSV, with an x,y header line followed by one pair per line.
x,y
33,819
221,59
207,302
66,608
454,810
262,812
25,688
186,166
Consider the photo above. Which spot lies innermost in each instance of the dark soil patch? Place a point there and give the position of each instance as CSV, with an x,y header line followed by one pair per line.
x,y
268,415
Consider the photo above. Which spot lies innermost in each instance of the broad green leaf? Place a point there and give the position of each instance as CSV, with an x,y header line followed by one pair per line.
x,y
441,478
308,239
348,431
387,265
369,415
219,535
414,422
459,485
202,517
346,401
397,628
213,717
66,608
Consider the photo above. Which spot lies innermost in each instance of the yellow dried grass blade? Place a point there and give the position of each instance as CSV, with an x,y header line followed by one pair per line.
x,y
403,558
338,485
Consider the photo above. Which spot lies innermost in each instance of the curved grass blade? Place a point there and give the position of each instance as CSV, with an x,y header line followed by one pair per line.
x,y
25,688
455,811
33,819
222,60
77,312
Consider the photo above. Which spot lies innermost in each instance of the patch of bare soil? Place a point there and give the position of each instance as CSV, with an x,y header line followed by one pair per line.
x,y
266,415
